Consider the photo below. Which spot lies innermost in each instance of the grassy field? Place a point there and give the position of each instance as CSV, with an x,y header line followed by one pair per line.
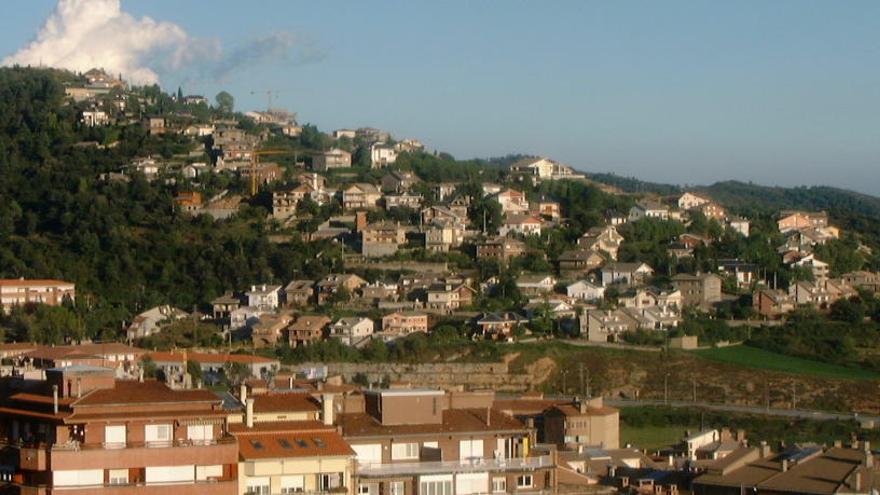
x,y
652,437
753,357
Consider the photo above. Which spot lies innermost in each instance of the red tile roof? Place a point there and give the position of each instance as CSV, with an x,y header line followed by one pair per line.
x,y
207,357
282,402
149,392
32,282
275,427
83,350
454,421
293,444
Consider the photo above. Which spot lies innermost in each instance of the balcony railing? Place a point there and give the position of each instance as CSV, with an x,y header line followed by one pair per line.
x,y
76,446
438,467
186,487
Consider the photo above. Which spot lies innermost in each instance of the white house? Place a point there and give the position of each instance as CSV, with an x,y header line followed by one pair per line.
x,y
521,224
630,274
585,291
648,209
512,201
819,268
536,283
739,224
352,330
264,297
382,155
94,118
690,200
151,321
194,170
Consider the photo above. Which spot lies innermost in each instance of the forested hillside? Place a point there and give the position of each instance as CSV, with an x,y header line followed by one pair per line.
x,y
128,249
122,242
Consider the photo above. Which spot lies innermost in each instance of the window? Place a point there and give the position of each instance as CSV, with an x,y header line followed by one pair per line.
x,y
200,434
367,489
83,477
165,474
330,481
397,488
118,476
435,485
369,453
257,486
157,434
470,449
471,483
293,484
499,485
404,451
114,436
203,473
524,481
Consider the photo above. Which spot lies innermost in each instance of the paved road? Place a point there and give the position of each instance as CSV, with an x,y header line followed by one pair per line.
x,y
790,413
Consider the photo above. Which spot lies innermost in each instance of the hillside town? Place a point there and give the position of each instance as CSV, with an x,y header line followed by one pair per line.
x,y
222,394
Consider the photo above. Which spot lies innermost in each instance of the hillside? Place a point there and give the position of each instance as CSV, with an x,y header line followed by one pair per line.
x,y
81,209
850,210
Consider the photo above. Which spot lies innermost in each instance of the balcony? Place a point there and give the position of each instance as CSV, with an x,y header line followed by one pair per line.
x,y
229,487
442,467
119,456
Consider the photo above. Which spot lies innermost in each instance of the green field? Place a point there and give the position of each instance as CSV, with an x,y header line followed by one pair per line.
x,y
651,437
752,357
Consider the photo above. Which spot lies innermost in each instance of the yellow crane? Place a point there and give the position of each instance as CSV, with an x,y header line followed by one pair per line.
x,y
255,160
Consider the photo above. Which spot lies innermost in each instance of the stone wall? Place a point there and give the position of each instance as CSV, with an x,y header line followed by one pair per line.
x,y
469,376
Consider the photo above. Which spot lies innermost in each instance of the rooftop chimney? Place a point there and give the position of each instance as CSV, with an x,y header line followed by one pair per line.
x,y
55,398
78,387
249,413
327,409
290,382
242,395
784,465
141,375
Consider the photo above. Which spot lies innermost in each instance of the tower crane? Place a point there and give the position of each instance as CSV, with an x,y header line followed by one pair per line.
x,y
255,160
269,94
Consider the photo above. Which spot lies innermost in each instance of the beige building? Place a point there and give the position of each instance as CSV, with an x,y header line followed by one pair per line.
x,y
701,290
330,159
583,423
418,441
18,292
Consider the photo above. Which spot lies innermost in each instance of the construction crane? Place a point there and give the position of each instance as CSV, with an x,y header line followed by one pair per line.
x,y
255,161
269,94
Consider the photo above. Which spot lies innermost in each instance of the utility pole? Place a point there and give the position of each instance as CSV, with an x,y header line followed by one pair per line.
x,y
564,373
581,376
767,394
793,395
589,386
694,382
666,389
195,327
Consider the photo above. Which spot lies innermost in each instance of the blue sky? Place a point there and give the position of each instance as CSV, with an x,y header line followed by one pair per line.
x,y
781,92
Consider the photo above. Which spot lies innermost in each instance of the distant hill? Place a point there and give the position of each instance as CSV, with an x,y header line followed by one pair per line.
x,y
849,210
737,194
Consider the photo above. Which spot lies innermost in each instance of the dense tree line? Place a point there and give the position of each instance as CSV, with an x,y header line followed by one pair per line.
x,y
123,243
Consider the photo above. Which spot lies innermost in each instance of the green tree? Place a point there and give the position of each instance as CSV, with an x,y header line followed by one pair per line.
x,y
225,102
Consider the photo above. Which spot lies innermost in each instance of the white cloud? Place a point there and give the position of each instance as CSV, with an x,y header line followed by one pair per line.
x,y
83,34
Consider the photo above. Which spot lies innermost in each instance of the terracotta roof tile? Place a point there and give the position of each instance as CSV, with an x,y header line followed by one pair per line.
x,y
150,392
294,444
285,402
454,421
